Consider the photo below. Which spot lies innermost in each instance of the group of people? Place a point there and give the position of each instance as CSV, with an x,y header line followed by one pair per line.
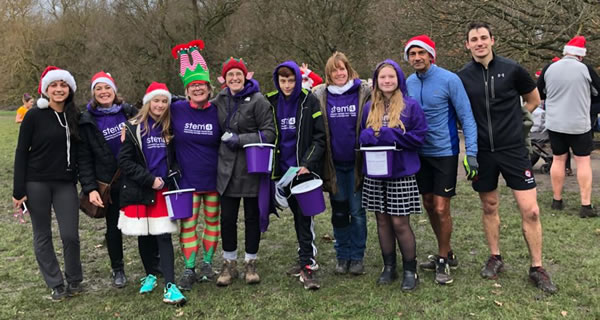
x,y
197,142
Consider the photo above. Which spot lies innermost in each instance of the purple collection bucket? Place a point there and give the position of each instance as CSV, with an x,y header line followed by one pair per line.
x,y
310,197
180,203
378,161
259,157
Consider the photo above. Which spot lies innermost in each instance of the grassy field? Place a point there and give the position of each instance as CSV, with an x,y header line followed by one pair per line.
x,y
571,254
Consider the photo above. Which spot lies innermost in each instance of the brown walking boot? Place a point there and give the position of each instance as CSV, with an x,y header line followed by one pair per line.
x,y
251,275
228,273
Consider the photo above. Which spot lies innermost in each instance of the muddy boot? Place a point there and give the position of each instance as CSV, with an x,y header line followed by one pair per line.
x,y
251,275
228,273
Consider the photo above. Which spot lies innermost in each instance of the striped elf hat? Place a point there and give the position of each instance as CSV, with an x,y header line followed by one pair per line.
x,y
195,71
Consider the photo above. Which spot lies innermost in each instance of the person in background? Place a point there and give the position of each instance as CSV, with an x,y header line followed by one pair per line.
x,y
300,143
309,78
196,141
45,177
100,129
147,161
245,116
22,110
567,87
342,99
392,118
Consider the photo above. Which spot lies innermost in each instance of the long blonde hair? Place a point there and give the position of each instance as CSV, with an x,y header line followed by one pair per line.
x,y
165,120
375,118
332,64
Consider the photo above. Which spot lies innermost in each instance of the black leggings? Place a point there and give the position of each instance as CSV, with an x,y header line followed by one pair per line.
x,y
114,238
147,246
229,216
62,196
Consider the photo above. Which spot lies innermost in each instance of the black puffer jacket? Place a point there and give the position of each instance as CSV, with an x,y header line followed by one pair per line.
x,y
136,179
96,161
310,143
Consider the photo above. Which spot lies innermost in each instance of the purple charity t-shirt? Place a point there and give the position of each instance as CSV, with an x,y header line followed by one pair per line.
x,y
342,110
286,118
110,125
155,150
196,139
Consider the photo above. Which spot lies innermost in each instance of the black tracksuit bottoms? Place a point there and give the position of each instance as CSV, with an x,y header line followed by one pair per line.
x,y
62,196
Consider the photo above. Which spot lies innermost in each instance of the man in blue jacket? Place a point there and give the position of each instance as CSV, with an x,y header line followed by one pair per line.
x,y
444,101
495,86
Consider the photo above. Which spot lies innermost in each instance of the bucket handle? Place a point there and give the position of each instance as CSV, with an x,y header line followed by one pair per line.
x,y
315,176
395,147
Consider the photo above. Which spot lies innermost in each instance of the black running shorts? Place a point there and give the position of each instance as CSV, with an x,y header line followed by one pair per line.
x,y
438,175
513,164
581,144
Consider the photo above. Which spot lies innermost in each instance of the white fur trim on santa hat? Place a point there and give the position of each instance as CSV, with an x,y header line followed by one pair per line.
x,y
105,80
157,92
421,44
55,75
578,51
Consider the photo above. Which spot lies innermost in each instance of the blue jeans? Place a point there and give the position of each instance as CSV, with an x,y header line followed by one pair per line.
x,y
348,217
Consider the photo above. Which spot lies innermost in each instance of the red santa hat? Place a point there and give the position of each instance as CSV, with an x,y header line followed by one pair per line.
x,y
422,41
104,77
575,46
555,59
51,74
156,89
538,73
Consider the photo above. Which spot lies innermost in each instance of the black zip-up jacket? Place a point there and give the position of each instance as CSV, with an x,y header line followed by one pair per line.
x,y
96,161
310,133
136,187
495,100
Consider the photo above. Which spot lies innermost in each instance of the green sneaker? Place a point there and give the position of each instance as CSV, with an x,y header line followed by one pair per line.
x,y
148,284
173,295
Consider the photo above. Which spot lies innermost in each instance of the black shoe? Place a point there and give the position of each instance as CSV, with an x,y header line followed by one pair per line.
x,y
74,288
59,293
308,279
557,204
118,279
492,267
587,212
442,272
542,280
187,279
388,275
431,266
342,266
410,280
356,267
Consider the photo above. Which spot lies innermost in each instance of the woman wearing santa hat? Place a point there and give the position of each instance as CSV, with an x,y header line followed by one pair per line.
x,y
100,130
147,161
45,176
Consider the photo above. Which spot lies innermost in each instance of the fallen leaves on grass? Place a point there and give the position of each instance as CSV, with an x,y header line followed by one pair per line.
x,y
564,313
498,303
399,314
598,232
497,285
117,315
98,246
480,298
327,237
179,313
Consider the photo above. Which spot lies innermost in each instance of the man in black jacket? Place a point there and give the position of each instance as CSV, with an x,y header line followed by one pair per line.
x,y
300,143
495,86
